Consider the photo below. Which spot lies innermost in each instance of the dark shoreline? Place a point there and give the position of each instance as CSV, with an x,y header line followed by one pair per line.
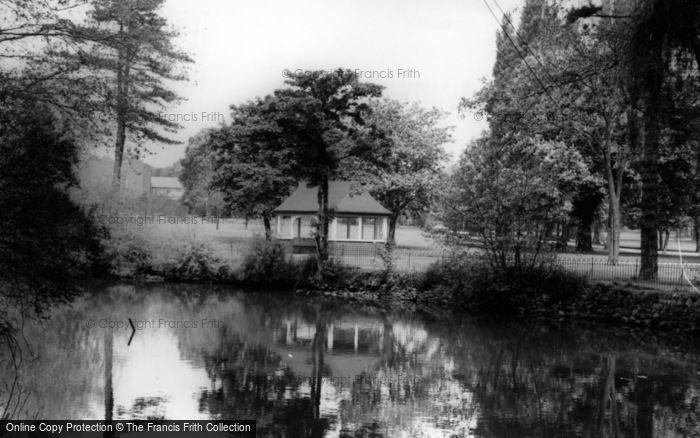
x,y
611,304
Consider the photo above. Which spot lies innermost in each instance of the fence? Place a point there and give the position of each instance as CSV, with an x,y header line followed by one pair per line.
x,y
671,276
405,259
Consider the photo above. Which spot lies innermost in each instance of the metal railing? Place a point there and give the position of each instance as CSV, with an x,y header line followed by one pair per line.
x,y
671,276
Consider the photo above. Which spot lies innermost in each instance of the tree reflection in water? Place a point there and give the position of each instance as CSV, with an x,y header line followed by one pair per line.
x,y
305,368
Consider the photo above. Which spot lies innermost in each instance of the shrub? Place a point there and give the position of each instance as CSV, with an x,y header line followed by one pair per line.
x,y
450,276
479,287
126,253
515,290
265,263
195,260
337,276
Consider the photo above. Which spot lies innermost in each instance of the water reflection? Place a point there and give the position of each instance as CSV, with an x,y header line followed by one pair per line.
x,y
305,368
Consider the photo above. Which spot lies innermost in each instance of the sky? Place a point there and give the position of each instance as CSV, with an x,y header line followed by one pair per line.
x,y
432,52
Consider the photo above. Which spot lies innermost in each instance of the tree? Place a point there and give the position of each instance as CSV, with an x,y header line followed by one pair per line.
x,y
511,195
657,32
252,161
129,50
47,242
323,117
35,38
407,179
197,176
565,86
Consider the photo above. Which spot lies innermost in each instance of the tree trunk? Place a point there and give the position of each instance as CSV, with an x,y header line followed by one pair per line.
x,y
565,236
614,230
696,231
649,244
323,225
597,230
584,235
664,235
121,110
119,153
267,223
391,238
649,71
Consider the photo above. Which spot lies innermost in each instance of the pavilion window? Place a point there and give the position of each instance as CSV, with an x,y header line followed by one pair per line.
x,y
347,228
286,226
369,230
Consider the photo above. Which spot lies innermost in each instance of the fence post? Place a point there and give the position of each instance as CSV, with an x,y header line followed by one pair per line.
x,y
636,269
591,273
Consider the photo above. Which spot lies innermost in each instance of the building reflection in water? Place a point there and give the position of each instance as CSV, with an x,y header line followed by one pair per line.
x,y
304,369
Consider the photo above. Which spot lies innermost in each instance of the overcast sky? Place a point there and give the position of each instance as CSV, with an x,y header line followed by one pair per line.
x,y
434,52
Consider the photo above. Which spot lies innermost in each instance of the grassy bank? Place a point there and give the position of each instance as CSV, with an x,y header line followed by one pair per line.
x,y
457,283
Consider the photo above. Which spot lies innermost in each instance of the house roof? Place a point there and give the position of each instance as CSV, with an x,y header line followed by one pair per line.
x,y
341,200
166,182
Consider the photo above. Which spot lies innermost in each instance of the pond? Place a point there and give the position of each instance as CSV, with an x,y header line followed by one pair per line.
x,y
308,367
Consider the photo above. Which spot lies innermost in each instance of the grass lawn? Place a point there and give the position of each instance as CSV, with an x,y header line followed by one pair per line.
x,y
416,250
630,243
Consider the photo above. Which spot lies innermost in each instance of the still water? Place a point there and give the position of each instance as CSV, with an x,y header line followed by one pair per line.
x,y
304,367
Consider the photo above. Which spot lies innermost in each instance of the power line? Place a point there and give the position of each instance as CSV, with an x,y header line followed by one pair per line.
x,y
520,54
527,47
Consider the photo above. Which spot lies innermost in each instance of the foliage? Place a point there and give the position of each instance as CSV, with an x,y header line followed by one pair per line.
x,y
470,282
47,243
563,82
323,117
251,161
195,260
197,176
407,178
513,290
127,254
129,50
266,264
511,196
450,276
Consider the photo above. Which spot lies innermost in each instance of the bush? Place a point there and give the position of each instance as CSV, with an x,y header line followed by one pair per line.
x,y
516,290
450,276
195,260
127,253
265,263
479,287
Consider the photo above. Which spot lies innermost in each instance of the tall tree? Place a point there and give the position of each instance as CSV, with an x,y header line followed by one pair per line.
x,y
197,176
322,115
253,161
657,31
563,86
408,178
129,45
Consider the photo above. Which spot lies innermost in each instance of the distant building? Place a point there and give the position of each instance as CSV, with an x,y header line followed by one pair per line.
x,y
167,186
357,217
